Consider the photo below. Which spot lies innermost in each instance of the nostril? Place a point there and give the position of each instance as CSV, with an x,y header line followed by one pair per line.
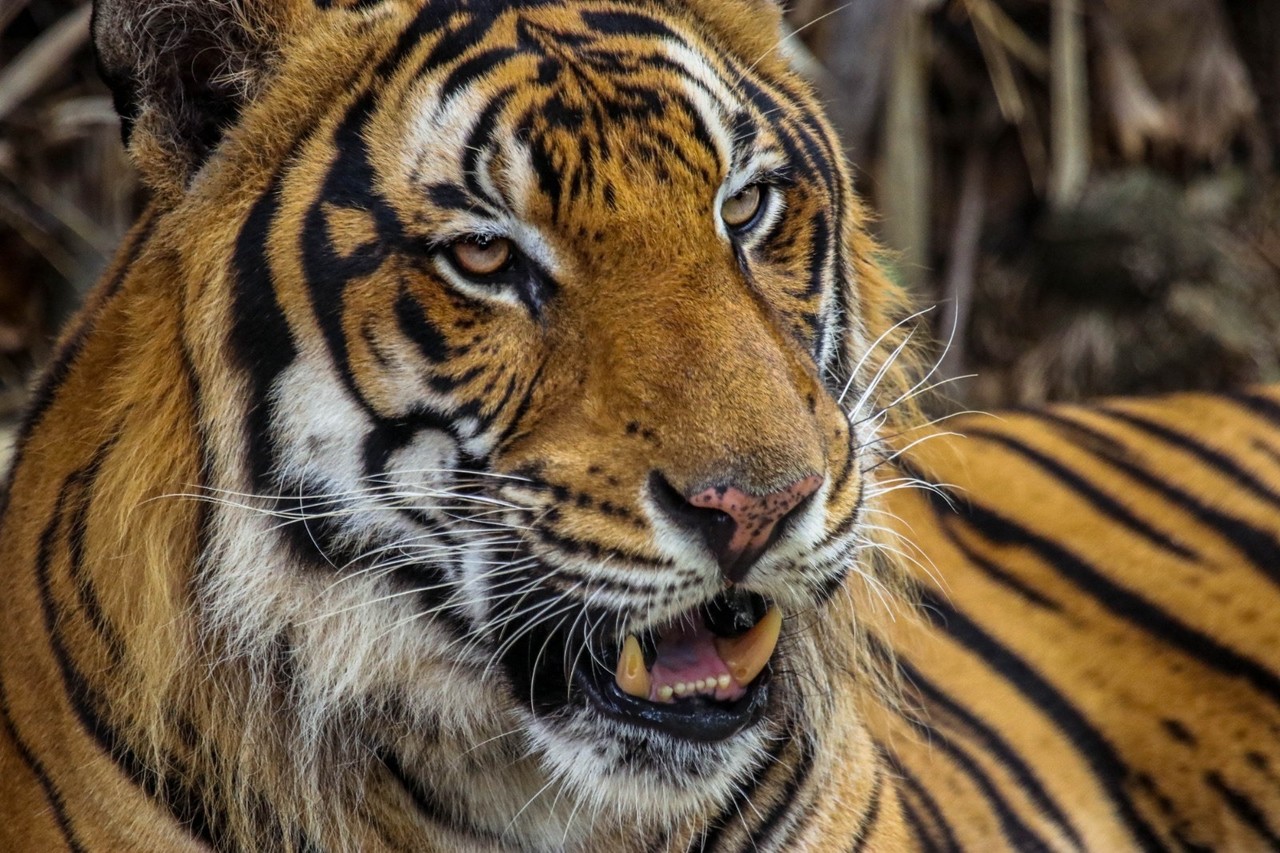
x,y
678,509
738,527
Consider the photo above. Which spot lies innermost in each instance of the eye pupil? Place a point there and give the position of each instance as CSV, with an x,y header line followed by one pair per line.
x,y
481,255
740,208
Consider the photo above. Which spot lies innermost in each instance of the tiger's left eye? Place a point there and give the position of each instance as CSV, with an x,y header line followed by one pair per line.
x,y
481,257
739,209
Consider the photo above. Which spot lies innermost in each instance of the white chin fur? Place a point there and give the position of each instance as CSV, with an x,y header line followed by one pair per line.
x,y
357,643
678,778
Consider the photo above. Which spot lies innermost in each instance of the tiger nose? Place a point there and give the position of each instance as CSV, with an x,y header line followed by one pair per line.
x,y
737,526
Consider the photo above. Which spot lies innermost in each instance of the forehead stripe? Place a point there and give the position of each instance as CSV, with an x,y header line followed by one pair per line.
x,y
480,141
483,63
629,23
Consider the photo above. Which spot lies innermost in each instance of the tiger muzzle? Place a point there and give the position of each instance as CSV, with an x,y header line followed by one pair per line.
x,y
702,676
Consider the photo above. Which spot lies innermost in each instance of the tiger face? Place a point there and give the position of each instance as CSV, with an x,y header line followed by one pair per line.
x,y
527,429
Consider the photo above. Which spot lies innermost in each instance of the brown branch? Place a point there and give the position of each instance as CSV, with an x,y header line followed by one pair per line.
x,y
958,288
42,59
1069,109
905,191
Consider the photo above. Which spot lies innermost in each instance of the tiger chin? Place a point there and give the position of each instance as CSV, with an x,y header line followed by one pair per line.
x,y
470,448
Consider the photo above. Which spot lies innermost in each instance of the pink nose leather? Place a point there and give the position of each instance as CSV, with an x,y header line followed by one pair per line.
x,y
749,530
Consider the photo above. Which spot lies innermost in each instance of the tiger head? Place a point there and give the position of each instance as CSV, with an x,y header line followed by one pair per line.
x,y
542,363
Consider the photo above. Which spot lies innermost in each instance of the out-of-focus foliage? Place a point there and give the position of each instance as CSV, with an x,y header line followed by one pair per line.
x,y
67,190
1153,262
1086,188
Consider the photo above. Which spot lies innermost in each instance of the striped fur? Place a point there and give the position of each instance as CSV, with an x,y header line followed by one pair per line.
x,y
1096,666
309,528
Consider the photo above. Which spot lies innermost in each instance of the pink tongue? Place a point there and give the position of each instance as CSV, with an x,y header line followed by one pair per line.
x,y
687,653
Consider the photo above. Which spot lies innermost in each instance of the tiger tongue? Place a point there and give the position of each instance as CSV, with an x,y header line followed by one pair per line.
x,y
688,663
693,661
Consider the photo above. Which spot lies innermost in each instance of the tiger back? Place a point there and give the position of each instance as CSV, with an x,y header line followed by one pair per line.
x,y
1095,666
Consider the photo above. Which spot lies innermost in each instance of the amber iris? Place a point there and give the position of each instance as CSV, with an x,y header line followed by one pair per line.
x,y
740,208
480,257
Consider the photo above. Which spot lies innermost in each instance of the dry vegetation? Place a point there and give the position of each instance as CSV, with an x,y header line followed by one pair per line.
x,y
67,192
1085,187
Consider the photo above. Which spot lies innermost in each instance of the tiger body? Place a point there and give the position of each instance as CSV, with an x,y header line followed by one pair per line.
x,y
325,533
1095,664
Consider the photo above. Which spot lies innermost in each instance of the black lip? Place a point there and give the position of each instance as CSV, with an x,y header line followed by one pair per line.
x,y
531,661
696,718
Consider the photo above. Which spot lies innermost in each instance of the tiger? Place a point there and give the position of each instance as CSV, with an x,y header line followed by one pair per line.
x,y
1096,664
499,433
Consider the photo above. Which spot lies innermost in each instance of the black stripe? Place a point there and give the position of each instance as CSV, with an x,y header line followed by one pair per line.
x,y
447,196
190,802
52,795
1260,405
1266,450
259,338
1124,603
988,567
418,328
1244,808
1257,544
46,390
1178,731
785,804
430,806
349,183
995,746
617,23
924,843
871,816
78,524
1220,461
510,433
84,701
1018,835
948,842
465,72
1106,764
1103,503
734,814
480,140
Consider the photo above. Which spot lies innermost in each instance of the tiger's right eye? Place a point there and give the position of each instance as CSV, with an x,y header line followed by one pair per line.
x,y
739,210
481,256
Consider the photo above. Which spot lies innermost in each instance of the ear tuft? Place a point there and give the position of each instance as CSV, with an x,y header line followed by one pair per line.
x,y
180,71
752,27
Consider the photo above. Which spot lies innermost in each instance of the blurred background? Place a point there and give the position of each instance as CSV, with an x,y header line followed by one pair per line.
x,y
1086,190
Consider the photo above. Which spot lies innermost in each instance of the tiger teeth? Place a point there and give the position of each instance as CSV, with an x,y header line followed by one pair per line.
x,y
747,655
692,688
632,676
743,656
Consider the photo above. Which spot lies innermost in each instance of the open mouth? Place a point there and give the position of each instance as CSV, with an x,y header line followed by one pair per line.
x,y
703,676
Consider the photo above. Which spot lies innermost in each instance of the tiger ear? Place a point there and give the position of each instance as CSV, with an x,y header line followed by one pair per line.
x,y
754,27
181,70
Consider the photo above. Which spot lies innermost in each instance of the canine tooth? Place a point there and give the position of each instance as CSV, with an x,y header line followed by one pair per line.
x,y
745,656
632,677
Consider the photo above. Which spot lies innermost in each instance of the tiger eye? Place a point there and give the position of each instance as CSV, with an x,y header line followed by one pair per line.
x,y
740,208
481,257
